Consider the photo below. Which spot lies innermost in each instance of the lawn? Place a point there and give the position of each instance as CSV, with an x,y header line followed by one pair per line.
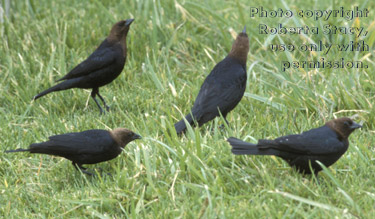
x,y
172,47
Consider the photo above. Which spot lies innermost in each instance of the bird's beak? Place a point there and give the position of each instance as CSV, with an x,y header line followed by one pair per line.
x,y
136,136
128,22
244,29
355,126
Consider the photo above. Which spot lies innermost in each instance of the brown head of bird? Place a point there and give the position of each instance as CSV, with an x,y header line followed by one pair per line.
x,y
343,126
123,136
240,47
119,31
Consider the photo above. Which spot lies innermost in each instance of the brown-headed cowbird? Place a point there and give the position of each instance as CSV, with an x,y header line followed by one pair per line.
x,y
325,144
87,147
223,88
100,68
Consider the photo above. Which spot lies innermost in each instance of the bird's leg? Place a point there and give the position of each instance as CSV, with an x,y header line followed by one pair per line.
x,y
316,177
226,121
93,94
222,126
82,169
105,104
317,180
75,166
102,171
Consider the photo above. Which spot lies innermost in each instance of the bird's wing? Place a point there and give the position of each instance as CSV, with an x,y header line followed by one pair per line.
x,y
222,88
319,141
101,58
86,142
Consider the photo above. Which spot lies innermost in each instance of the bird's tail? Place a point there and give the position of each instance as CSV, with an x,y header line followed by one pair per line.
x,y
242,147
62,86
17,150
181,126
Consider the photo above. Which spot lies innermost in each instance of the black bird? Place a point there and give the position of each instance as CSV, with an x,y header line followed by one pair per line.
x,y
223,88
87,147
100,68
325,144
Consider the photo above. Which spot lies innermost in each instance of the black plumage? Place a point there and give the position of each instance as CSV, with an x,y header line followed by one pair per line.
x,y
325,144
87,147
100,68
223,88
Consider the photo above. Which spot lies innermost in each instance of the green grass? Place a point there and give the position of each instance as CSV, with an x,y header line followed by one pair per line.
x,y
173,45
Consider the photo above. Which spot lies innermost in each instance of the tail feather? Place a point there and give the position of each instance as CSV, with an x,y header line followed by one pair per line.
x,y
17,150
62,86
242,147
181,126
61,79
239,144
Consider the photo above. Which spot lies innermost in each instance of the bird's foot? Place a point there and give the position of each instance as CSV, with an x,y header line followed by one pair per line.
x,y
87,172
101,172
219,128
101,111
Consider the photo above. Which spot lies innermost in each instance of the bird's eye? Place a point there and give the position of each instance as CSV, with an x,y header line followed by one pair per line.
x,y
347,123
